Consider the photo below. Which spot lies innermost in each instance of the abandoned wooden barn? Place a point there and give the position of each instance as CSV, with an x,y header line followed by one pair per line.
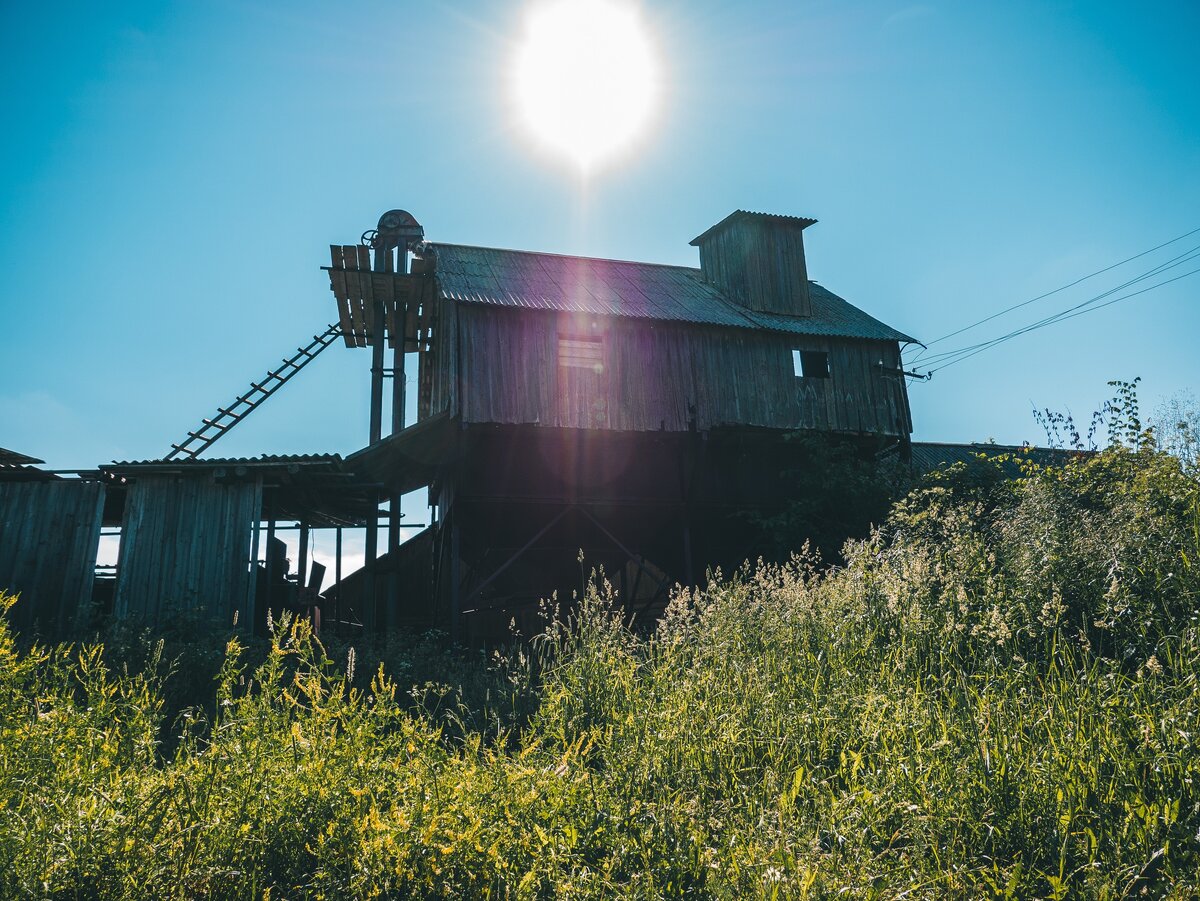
x,y
634,411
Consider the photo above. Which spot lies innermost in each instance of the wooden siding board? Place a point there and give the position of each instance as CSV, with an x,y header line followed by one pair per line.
x,y
759,264
49,535
337,280
652,375
188,546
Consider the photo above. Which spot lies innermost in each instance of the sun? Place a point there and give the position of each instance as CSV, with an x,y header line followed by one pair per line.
x,y
586,78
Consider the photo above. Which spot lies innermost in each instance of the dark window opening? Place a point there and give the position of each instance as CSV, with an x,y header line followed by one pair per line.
x,y
811,364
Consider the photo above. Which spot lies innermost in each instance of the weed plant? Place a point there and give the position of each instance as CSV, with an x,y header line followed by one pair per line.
x,y
995,696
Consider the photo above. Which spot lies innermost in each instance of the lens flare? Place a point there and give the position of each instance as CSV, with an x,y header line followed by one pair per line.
x,y
585,79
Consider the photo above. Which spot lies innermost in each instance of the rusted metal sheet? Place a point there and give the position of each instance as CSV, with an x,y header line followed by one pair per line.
x,y
185,547
49,534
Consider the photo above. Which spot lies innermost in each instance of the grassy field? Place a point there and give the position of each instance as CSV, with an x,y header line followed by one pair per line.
x,y
996,696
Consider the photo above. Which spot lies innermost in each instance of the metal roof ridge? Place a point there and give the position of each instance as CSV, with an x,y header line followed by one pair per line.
x,y
568,256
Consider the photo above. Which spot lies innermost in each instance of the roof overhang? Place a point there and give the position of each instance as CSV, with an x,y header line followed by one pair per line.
x,y
409,459
318,489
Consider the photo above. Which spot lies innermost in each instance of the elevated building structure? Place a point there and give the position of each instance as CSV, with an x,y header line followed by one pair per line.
x,y
638,413
635,411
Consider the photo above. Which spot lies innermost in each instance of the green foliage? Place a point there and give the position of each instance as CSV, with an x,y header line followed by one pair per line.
x,y
996,696
837,490
1100,549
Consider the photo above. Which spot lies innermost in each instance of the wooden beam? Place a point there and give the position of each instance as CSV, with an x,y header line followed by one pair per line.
x,y
517,554
337,281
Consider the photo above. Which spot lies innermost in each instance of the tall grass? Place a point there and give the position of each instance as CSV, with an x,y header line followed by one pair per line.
x,y
996,696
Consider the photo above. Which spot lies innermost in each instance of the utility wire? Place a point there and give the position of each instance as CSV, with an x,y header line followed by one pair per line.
x,y
1070,313
1061,317
1185,257
1077,281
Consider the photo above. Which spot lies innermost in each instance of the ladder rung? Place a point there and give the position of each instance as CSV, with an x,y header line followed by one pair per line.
x,y
212,429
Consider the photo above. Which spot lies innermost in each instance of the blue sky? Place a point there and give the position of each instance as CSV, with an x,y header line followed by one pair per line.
x,y
172,176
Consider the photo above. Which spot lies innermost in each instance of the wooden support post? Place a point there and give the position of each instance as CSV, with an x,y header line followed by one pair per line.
x,y
398,340
302,560
393,579
382,263
265,601
398,398
246,615
337,575
371,553
377,375
455,579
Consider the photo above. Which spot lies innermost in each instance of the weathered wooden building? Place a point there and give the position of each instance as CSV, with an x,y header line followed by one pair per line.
x,y
200,535
632,410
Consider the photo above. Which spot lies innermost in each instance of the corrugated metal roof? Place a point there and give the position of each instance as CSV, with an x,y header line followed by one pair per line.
x,y
545,281
262,460
930,455
12,458
802,221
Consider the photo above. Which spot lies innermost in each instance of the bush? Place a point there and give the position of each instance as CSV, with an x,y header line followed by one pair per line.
x,y
1101,549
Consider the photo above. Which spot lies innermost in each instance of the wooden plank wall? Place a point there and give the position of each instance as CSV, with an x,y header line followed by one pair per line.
x,y
439,362
185,546
663,376
49,535
761,263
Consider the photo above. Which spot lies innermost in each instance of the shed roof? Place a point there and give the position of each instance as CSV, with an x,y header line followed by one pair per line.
x,y
316,488
547,281
802,221
12,458
928,456
262,461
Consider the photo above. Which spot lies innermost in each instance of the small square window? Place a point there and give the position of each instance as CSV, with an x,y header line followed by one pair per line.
x,y
811,364
581,352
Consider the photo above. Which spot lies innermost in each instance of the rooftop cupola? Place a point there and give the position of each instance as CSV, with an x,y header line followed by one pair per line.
x,y
757,260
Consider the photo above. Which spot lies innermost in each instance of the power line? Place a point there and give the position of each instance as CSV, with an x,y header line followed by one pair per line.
x,y
1060,317
1077,281
1166,265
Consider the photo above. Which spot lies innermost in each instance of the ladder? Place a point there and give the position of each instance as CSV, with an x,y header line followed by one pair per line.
x,y
227,417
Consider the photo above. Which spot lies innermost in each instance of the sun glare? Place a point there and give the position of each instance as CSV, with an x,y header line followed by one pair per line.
x,y
586,80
